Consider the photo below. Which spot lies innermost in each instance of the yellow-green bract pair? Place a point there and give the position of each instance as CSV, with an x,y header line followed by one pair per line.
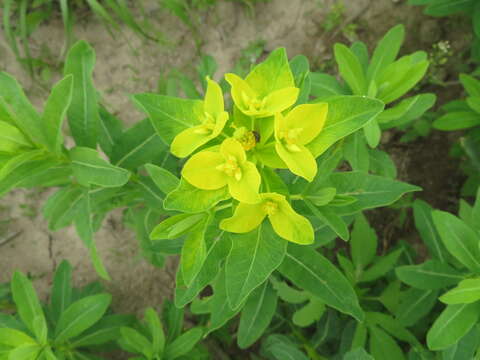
x,y
229,165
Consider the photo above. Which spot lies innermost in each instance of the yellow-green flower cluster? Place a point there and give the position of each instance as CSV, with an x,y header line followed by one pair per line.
x,y
234,165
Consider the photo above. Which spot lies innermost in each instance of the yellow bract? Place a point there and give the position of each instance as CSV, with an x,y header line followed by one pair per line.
x,y
250,103
210,170
293,132
285,221
211,124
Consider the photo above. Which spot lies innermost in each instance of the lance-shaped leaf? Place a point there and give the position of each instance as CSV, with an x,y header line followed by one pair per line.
x,y
254,256
370,191
190,199
170,115
90,169
256,314
15,106
83,115
430,275
26,301
346,114
383,346
138,145
466,292
61,296
216,254
80,315
414,305
459,239
194,251
386,51
350,69
309,270
465,348
55,111
12,139
183,344
452,324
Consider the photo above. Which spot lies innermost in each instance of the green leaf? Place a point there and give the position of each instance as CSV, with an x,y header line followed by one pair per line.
x,y
138,145
331,219
256,315
422,213
137,342
14,338
183,344
323,86
358,354
415,304
452,324
383,346
346,114
254,256
363,242
465,348
194,251
83,115
81,315
309,270
457,120
356,152
170,115
381,164
466,292
176,226
23,114
471,85
189,199
310,313
25,352
105,330
164,179
372,133
220,311
156,330
459,239
26,300
272,74
280,347
350,69
216,253
84,228
393,327
448,7
11,139
407,110
322,196
381,267
360,50
61,207
90,169
55,111
370,191
430,275
386,51
399,77
110,130
61,296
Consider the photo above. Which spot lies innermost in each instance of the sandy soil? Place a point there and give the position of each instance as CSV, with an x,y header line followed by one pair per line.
x,y
127,67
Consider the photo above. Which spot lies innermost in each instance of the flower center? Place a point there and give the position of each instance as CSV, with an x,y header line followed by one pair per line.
x,y
270,207
248,139
253,104
231,168
290,138
208,125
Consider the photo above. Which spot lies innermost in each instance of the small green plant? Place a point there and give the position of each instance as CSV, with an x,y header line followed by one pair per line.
x,y
74,324
151,343
469,8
